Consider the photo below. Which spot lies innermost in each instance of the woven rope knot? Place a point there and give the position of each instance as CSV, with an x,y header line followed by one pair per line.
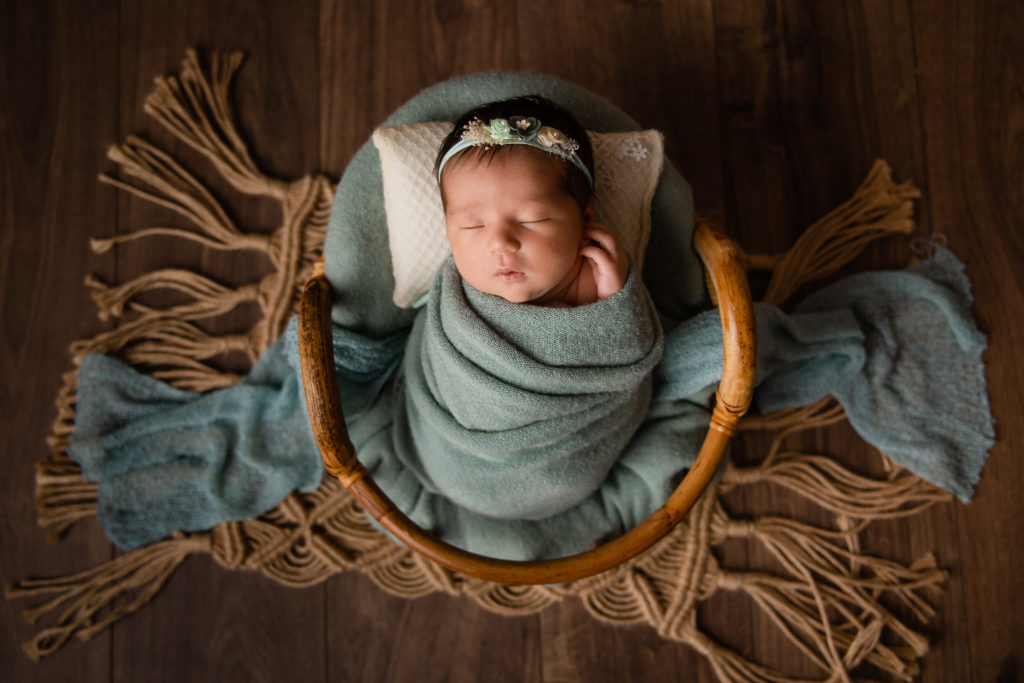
x,y
299,196
228,342
227,545
729,580
192,543
864,643
697,640
744,476
740,528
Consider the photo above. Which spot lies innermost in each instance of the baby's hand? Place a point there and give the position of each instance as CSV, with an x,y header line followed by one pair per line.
x,y
607,259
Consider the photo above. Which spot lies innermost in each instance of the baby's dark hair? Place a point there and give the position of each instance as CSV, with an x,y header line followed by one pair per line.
x,y
549,114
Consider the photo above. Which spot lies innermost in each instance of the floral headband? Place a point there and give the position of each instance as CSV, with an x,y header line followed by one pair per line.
x,y
518,130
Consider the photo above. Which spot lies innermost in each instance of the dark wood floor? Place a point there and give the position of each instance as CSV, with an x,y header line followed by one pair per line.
x,y
773,109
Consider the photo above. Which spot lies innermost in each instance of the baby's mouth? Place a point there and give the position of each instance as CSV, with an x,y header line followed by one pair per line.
x,y
509,275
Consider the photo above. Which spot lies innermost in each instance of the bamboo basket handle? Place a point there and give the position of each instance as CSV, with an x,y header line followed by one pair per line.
x,y
727,280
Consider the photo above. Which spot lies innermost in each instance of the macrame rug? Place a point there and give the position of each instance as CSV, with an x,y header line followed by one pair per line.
x,y
842,608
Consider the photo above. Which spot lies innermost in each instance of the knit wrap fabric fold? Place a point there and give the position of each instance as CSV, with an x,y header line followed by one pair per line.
x,y
524,408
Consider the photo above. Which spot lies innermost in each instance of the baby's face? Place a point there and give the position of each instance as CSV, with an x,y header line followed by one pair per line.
x,y
514,230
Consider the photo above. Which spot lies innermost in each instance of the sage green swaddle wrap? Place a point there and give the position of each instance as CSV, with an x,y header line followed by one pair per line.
x,y
519,411
522,431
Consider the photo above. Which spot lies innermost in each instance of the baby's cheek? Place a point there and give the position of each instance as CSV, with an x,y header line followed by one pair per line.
x,y
459,251
458,256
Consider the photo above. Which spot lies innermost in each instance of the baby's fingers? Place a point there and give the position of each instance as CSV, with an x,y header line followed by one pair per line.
x,y
609,273
606,239
600,260
605,252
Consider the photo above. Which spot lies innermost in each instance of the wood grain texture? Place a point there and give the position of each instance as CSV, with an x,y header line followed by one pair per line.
x,y
773,110
971,68
55,111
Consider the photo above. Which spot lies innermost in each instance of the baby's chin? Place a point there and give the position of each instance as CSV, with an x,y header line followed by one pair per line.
x,y
515,295
545,299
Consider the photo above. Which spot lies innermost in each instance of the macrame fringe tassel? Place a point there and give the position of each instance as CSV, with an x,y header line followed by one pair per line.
x,y
62,498
182,193
198,111
730,666
837,635
825,481
94,599
803,547
835,591
180,343
208,297
829,599
821,413
154,340
879,207
64,423
833,487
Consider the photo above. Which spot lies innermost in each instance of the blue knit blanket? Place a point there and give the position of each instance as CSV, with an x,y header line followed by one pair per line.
x,y
899,350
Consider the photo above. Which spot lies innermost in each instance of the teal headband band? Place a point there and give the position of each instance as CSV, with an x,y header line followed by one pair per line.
x,y
518,130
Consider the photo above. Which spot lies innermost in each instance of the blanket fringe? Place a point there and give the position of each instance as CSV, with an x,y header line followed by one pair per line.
x,y
209,298
842,491
62,498
850,580
90,599
731,667
198,111
879,207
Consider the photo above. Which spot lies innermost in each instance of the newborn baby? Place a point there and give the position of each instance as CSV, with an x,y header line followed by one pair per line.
x,y
519,206
503,407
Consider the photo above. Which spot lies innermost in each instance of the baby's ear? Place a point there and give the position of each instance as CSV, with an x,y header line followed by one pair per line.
x,y
589,212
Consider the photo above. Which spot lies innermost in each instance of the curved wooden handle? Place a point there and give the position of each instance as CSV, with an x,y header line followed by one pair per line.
x,y
320,382
319,379
727,280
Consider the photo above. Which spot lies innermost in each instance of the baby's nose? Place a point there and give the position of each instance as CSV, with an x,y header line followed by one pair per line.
x,y
502,239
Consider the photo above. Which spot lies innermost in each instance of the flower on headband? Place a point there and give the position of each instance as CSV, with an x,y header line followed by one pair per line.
x,y
525,127
500,130
552,137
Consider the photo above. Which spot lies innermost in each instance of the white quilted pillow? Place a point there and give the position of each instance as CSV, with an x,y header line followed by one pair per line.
x,y
628,166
